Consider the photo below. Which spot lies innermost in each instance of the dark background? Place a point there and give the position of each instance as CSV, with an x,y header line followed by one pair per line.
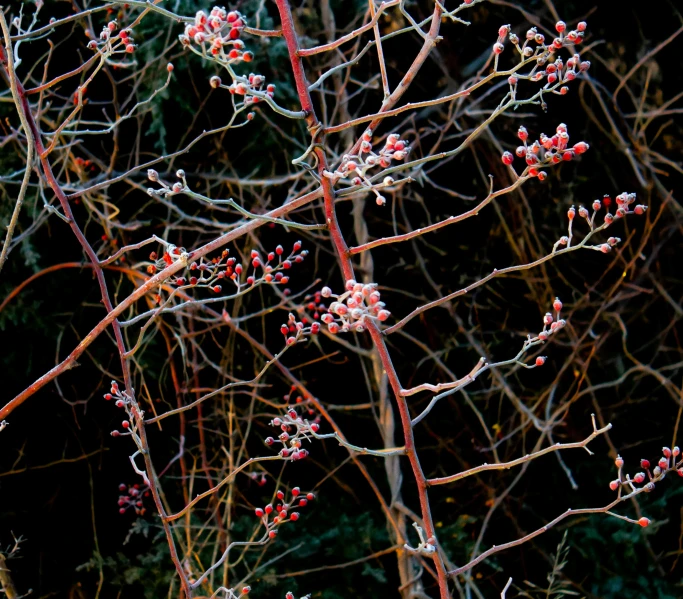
x,y
67,513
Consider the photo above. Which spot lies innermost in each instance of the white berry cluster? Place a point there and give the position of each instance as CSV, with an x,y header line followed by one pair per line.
x,y
218,32
356,166
350,310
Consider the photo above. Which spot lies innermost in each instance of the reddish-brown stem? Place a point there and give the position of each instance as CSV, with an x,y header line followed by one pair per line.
x,y
348,37
314,127
430,41
347,269
141,291
24,107
411,452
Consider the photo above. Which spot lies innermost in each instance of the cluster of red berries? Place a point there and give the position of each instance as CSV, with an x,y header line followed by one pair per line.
x,y
351,309
252,87
215,269
282,510
220,32
114,42
623,200
669,461
552,68
123,401
132,498
274,263
313,304
83,164
171,254
208,273
545,151
294,430
294,329
355,167
550,325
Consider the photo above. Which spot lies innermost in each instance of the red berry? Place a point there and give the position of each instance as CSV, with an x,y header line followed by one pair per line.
x,y
294,516
540,360
271,533
310,496
581,147
507,158
245,590
125,424
269,509
645,464
644,522
107,396
639,478
296,491
259,512
614,485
